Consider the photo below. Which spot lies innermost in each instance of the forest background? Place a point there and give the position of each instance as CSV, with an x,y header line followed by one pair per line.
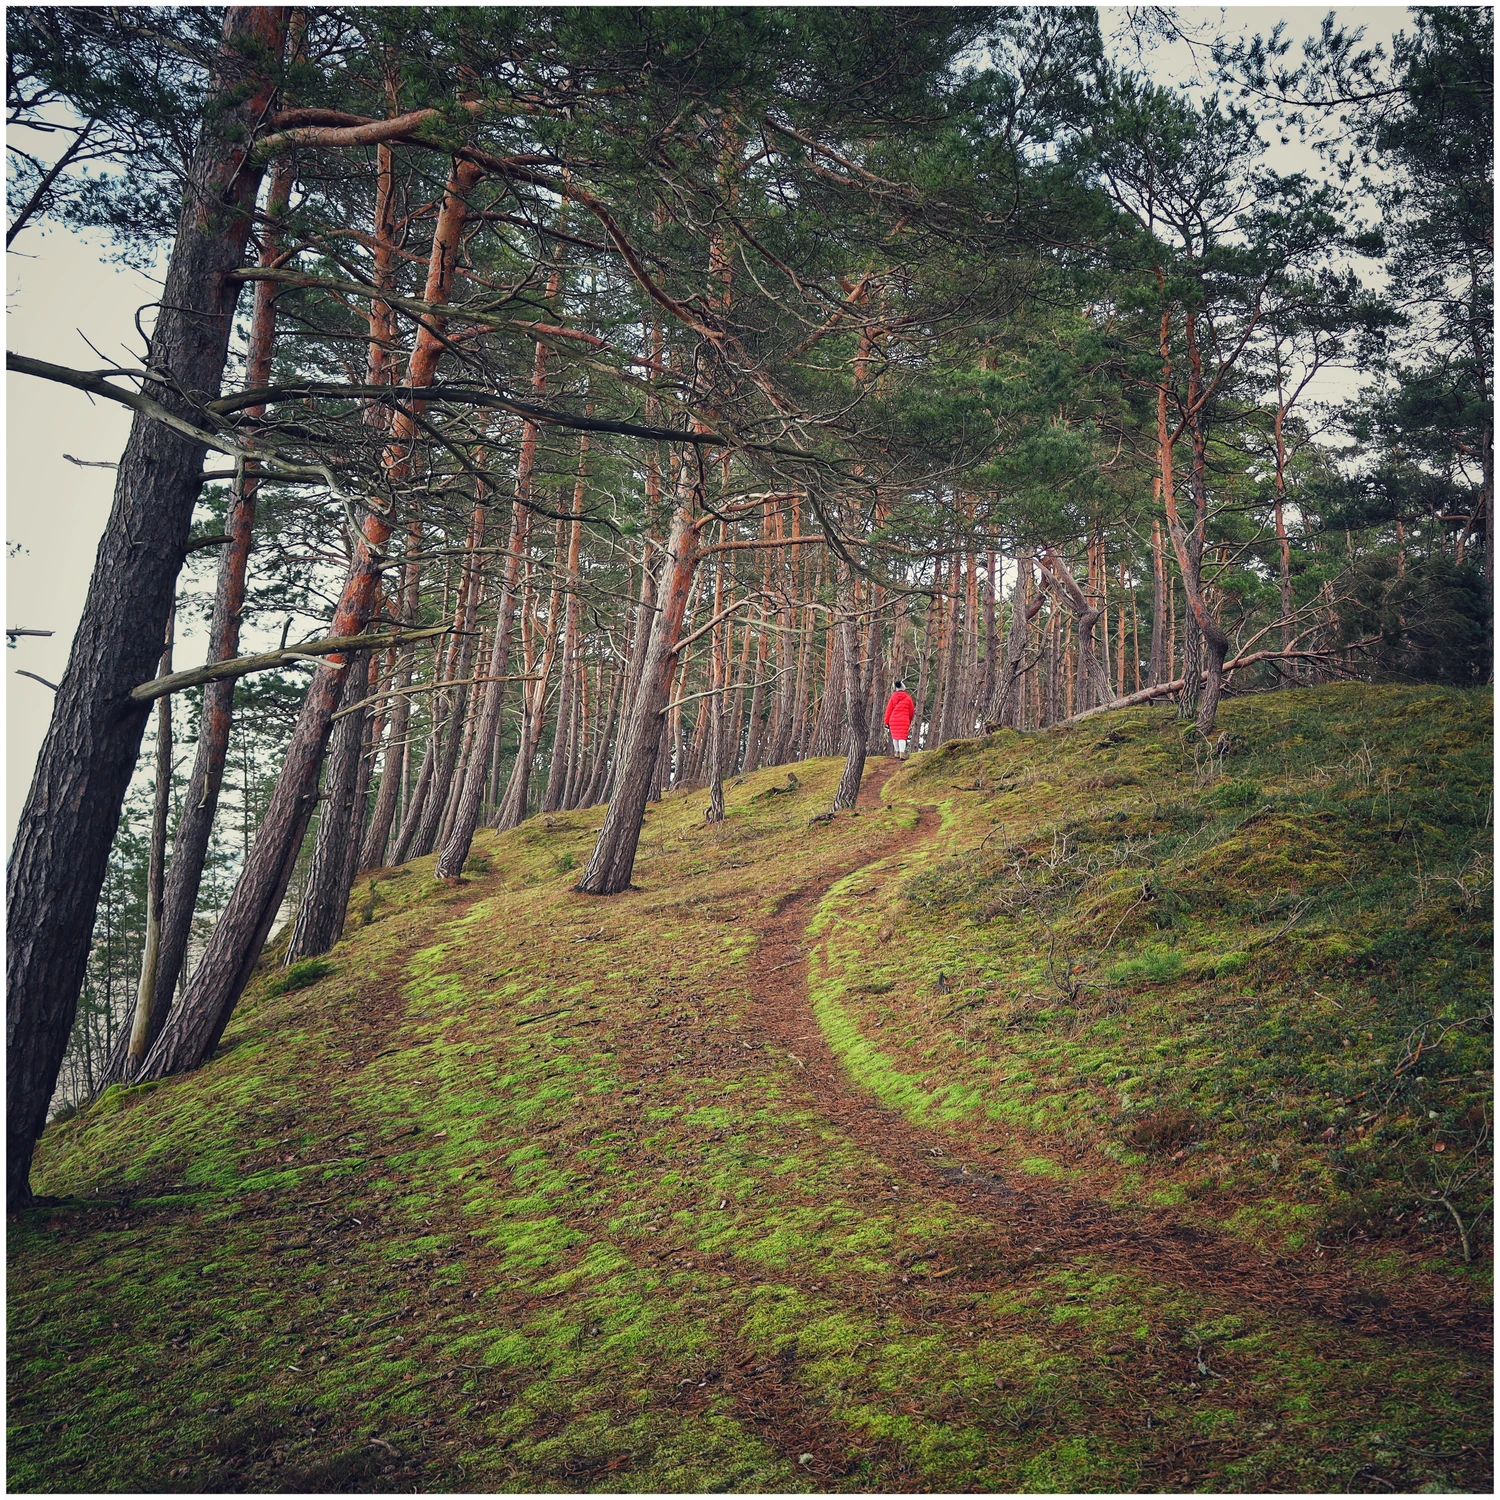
x,y
962,335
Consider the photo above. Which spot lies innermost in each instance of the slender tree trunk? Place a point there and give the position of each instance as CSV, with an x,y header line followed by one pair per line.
x,y
456,699
149,995
561,762
197,1022
1092,681
593,793
922,667
755,733
416,803
373,854
991,637
716,745
847,624
61,849
355,843
613,860
1160,640
518,793
325,898
460,839
828,726
1007,705
804,671
1284,546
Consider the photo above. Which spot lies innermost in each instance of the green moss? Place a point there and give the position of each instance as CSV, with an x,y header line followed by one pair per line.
x,y
519,1189
299,976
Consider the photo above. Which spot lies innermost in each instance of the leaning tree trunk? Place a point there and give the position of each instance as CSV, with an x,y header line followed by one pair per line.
x,y
593,792
1093,679
198,1021
854,706
325,898
377,839
148,994
562,744
455,851
1006,708
716,743
200,806
609,869
63,838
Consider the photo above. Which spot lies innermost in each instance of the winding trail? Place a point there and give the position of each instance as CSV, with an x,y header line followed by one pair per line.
x,y
1037,1225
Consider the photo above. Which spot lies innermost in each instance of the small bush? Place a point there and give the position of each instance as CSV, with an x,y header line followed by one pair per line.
x,y
300,975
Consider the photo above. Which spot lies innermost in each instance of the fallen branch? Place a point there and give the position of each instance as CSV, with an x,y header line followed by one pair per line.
x,y
1165,689
241,666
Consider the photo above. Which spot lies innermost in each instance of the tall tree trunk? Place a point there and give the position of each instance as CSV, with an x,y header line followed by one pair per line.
x,y
991,637
798,742
1206,645
593,792
561,762
194,831
1007,706
613,860
847,624
923,664
197,1022
1160,641
828,726
456,698
61,849
755,733
1284,546
372,855
518,793
1092,682
320,915
416,803
149,995
460,838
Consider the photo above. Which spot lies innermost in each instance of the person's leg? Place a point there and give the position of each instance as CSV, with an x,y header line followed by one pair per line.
x,y
900,747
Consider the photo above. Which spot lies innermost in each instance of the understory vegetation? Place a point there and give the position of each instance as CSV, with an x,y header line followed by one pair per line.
x,y
524,1191
1258,981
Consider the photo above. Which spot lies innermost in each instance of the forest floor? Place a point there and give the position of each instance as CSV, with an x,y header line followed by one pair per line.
x,y
1086,1111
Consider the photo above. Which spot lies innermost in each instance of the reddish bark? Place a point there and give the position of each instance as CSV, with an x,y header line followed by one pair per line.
x,y
195,1026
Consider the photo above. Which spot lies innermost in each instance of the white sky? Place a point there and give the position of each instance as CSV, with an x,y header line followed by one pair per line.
x,y
60,287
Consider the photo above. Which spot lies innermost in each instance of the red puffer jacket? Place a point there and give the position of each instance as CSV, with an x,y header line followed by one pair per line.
x,y
899,713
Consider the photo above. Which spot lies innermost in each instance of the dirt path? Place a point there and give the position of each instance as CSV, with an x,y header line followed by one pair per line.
x,y
1037,1225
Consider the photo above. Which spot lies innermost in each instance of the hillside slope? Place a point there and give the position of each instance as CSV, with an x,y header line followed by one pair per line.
x,y
1080,1114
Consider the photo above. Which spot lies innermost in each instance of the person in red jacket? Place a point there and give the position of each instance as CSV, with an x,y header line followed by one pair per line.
x,y
899,712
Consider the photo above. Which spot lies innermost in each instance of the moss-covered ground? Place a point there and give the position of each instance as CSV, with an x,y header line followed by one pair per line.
x,y
521,1194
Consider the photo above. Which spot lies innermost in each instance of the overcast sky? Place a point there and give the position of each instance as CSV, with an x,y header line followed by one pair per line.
x,y
63,294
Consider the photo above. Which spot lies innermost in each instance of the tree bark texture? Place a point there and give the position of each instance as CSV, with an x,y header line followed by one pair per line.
x,y
460,839
196,1024
63,838
201,803
325,897
854,706
609,869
